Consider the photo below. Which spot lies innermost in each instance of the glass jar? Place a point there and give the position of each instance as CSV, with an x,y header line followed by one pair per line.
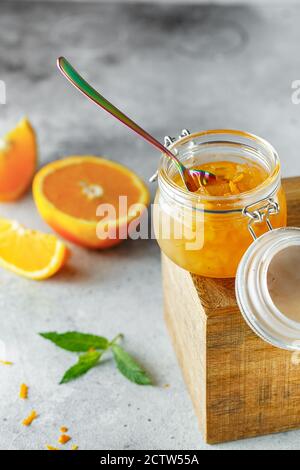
x,y
208,235
267,287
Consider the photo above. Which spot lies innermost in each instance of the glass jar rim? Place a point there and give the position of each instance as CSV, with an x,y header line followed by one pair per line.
x,y
182,194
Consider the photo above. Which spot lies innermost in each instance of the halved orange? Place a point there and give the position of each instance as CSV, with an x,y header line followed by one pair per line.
x,y
72,195
18,155
30,253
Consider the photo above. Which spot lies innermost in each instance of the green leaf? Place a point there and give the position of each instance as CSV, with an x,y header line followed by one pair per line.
x,y
128,367
85,362
76,342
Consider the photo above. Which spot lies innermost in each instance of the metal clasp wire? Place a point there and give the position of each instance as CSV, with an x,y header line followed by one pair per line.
x,y
260,211
168,140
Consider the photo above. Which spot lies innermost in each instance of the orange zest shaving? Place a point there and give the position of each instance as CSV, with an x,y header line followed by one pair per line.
x,y
233,187
63,429
27,421
23,391
6,363
51,447
74,447
64,438
238,178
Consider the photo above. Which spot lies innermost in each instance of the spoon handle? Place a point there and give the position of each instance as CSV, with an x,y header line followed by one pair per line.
x,y
82,85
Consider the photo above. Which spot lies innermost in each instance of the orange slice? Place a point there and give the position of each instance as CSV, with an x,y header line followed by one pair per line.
x,y
18,155
72,194
29,253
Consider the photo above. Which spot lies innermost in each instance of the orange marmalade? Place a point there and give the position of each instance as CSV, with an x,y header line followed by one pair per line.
x,y
232,178
207,232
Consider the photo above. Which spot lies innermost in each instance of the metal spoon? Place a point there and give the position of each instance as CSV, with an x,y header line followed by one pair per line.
x,y
193,179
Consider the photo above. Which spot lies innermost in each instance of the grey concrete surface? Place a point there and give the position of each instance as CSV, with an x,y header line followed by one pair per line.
x,y
170,67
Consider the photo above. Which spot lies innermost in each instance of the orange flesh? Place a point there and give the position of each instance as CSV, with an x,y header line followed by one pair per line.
x,y
224,237
64,188
30,253
25,249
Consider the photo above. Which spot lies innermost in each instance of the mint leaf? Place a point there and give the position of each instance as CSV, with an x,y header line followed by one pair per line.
x,y
85,362
93,348
129,367
76,342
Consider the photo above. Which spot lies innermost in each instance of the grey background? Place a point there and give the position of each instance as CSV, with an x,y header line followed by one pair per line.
x,y
195,2
169,67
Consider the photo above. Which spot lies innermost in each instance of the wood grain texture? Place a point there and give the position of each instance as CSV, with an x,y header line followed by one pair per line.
x,y
240,385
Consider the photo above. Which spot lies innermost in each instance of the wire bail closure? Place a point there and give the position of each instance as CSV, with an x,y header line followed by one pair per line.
x,y
168,140
260,211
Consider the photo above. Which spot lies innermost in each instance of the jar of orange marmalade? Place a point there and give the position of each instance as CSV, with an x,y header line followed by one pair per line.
x,y
207,232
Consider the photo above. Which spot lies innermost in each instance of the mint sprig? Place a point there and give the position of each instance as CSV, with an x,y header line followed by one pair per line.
x,y
93,348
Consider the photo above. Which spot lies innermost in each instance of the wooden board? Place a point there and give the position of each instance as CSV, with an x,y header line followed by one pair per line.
x,y
240,385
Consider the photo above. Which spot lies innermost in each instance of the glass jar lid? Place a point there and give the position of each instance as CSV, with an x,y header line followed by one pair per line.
x,y
268,287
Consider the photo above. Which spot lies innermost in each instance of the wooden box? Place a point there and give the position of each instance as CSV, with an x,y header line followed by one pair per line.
x,y
240,385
